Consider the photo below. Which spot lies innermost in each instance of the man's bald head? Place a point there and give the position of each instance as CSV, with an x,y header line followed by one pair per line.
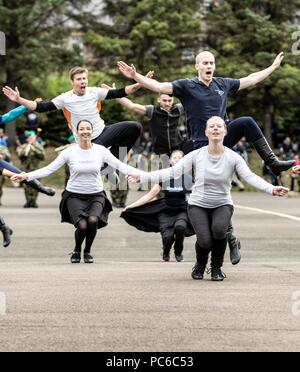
x,y
204,56
205,65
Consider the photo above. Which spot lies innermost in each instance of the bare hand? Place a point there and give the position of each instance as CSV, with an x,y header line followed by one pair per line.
x,y
150,74
296,169
38,100
278,60
19,177
128,71
280,191
13,95
105,86
133,177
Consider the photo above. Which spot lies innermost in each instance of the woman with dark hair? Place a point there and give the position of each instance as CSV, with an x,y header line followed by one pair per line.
x,y
84,203
210,204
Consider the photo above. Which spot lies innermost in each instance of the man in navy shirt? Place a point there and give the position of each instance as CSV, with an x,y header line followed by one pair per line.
x,y
206,96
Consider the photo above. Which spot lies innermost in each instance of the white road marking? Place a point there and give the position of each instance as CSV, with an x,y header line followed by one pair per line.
x,y
283,215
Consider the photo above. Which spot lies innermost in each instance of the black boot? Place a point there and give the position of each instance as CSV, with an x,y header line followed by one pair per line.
x,y
6,231
37,185
217,258
234,246
200,266
178,246
270,159
167,245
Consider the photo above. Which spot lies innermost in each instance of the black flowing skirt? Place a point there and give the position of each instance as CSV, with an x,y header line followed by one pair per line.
x,y
73,207
145,218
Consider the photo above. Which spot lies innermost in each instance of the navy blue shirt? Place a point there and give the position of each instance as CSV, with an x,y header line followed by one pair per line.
x,y
201,102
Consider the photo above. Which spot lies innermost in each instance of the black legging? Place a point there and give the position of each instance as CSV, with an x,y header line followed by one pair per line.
x,y
211,225
123,134
86,229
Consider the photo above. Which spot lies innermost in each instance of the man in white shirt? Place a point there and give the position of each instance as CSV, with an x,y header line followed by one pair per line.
x,y
83,102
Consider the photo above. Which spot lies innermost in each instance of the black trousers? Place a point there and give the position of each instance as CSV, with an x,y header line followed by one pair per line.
x,y
236,130
120,135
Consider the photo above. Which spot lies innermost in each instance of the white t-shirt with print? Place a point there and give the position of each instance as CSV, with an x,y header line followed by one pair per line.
x,y
86,107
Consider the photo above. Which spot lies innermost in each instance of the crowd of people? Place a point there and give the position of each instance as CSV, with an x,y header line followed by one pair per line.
x,y
197,162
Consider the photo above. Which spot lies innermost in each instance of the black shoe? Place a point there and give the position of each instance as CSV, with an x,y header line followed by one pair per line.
x,y
234,247
75,257
198,272
33,205
7,232
88,258
179,257
166,256
217,275
26,205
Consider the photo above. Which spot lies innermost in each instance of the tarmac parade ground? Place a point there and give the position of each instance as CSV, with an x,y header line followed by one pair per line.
x,y
129,300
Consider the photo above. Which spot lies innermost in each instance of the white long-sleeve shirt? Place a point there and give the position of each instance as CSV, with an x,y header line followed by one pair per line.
x,y
85,166
213,176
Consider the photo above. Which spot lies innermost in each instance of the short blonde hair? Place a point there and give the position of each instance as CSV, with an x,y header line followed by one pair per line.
x,y
77,70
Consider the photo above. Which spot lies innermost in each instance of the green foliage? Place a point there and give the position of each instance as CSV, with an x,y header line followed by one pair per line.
x,y
149,33
247,39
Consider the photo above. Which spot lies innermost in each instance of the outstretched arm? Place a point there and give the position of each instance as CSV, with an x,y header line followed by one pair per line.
x,y
14,95
185,165
145,199
154,85
255,78
14,114
135,107
42,172
127,103
256,181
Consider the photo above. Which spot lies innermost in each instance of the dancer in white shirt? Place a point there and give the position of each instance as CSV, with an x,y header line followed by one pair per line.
x,y
84,203
210,204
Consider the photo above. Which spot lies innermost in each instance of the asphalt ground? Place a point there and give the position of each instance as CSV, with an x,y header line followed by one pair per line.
x,y
129,300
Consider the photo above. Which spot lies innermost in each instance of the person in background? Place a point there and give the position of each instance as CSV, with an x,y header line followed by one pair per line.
x,y
30,155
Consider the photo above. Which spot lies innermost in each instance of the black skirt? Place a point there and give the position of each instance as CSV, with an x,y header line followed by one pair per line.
x,y
73,207
145,218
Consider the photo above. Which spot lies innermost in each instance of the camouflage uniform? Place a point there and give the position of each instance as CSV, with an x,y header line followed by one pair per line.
x,y
30,156
4,155
119,195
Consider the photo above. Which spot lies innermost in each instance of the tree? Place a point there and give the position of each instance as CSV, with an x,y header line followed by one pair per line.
x,y
160,34
36,41
246,39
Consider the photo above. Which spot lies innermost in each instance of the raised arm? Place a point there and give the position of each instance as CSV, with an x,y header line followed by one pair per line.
x,y
151,84
14,95
255,78
37,105
256,181
127,103
135,107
